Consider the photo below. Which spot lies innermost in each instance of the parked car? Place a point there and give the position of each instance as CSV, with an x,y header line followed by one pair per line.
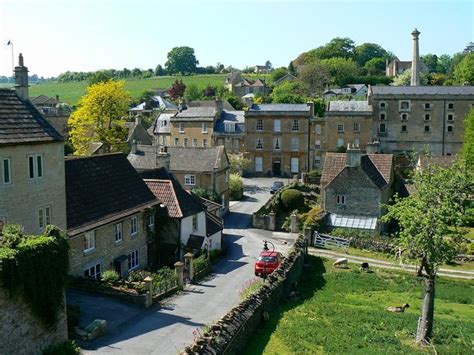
x,y
277,185
267,262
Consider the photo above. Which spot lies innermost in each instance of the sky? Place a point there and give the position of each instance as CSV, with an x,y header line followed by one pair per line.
x,y
86,35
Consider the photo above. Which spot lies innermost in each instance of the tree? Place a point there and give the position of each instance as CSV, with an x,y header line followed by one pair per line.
x,y
431,61
404,79
291,68
159,71
341,70
464,71
181,60
368,51
438,79
375,66
101,76
177,90
99,118
238,163
468,147
315,77
236,187
192,93
430,222
336,48
445,63
209,91
278,74
289,92
268,65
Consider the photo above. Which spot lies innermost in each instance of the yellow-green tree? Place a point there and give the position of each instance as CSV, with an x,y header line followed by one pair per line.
x,y
101,118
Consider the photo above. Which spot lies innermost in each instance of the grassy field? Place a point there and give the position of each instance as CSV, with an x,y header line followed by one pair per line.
x,y
71,92
343,312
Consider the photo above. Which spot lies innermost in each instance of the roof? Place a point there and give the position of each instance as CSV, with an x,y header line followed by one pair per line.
x,y
234,77
250,95
444,161
196,159
356,86
422,90
355,222
236,117
378,167
207,113
286,77
279,109
195,242
210,205
22,123
214,224
349,107
145,157
43,99
162,123
160,102
101,189
178,201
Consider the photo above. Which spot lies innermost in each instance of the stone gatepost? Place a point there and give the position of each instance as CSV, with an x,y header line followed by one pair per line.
x,y
188,257
294,227
271,221
149,295
179,268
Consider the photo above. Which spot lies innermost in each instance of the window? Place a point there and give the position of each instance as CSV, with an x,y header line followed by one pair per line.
x,y
427,129
340,142
277,125
89,241
133,261
195,222
190,180
450,106
296,126
93,272
259,125
404,128
6,175
382,105
295,165
427,117
204,142
404,116
133,225
317,161
35,166
295,144
258,164
229,127
185,143
204,128
259,145
382,128
195,142
181,128
118,232
382,117
44,216
340,128
176,142
356,127
450,129
318,129
340,199
450,117
151,220
427,106
404,105
277,143
318,144
356,142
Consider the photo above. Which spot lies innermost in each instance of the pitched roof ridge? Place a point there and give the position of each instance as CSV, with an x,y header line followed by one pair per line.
x,y
170,183
376,165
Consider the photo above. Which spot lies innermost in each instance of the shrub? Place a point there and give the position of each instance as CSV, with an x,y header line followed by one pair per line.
x,y
200,263
236,187
313,173
250,287
313,218
137,275
292,199
66,348
110,276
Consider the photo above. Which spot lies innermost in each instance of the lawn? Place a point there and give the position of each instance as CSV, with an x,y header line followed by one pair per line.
x,y
343,312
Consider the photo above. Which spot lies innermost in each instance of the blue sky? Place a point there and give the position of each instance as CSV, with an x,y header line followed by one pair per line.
x,y
84,35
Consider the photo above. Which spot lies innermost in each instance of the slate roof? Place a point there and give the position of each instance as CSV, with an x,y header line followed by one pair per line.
x,y
234,77
231,116
422,90
195,242
43,99
279,109
101,189
164,117
145,157
22,123
378,167
195,159
197,112
348,106
356,86
214,224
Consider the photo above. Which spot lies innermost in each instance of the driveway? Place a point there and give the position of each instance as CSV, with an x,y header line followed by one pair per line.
x,y
169,327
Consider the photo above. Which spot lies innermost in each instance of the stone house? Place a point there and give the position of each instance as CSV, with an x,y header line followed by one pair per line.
x,y
137,132
277,138
55,112
229,131
109,209
261,69
415,118
357,91
397,67
354,186
32,188
241,86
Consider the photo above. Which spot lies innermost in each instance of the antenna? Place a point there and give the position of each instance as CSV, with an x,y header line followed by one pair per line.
x,y
10,43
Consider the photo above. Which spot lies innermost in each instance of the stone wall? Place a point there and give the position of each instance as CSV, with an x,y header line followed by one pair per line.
x,y
230,334
21,332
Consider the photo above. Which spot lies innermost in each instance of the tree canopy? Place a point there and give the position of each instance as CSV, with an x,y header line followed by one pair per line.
x,y
464,72
100,118
181,60
468,147
368,51
177,90
290,92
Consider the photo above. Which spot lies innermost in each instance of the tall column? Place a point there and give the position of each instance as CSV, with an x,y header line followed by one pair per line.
x,y
415,64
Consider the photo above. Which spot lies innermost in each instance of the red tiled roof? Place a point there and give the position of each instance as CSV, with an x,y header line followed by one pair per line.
x,y
163,189
383,163
334,163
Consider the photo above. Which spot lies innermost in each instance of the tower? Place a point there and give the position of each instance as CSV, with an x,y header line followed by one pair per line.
x,y
415,64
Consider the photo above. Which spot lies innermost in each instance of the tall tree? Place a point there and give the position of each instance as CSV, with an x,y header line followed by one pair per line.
x,y
464,71
430,227
181,60
100,118
159,71
368,51
468,147
177,90
268,64
290,92
337,47
315,76
431,61
291,68
375,66
100,76
192,93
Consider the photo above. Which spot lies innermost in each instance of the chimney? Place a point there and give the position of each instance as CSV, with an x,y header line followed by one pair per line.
x,y
163,158
219,106
373,147
311,109
415,64
21,80
353,156
138,120
134,147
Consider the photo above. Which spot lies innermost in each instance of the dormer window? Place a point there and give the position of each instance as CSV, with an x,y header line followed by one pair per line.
x,y
229,127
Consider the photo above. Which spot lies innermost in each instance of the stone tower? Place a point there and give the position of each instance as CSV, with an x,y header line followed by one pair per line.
x,y
21,80
415,64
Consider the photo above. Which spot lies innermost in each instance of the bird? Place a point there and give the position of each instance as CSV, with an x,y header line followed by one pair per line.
x,y
398,309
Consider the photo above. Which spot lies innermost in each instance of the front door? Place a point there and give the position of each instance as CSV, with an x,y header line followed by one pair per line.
x,y
276,167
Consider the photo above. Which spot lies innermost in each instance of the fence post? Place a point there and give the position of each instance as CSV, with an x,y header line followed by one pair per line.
x,y
149,295
188,257
179,268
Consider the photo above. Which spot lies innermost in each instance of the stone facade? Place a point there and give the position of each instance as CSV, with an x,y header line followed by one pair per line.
x,y
195,133
22,333
24,199
107,249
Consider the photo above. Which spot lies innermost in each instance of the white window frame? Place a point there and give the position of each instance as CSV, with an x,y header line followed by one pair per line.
x,y
382,105
449,126
190,180
450,104
295,144
382,116
259,125
427,115
44,216
426,131
450,117
427,106
318,129
204,128
195,222
94,274
185,142
181,127
134,225
89,241
259,164
119,232
340,128
340,199
296,126
295,165
6,173
133,260
37,168
151,220
277,125
340,142
229,127
259,144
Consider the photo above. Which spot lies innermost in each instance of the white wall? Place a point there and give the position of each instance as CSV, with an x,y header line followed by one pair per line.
x,y
187,227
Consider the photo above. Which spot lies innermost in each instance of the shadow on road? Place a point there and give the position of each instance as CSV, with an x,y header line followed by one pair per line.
x,y
253,189
237,220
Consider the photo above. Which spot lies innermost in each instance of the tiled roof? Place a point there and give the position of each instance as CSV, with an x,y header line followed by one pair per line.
x,y
210,205
21,123
163,189
214,224
191,159
378,167
349,106
145,157
279,109
444,161
103,187
422,90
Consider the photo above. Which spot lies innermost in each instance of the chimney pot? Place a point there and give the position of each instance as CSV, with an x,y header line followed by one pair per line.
x,y
353,156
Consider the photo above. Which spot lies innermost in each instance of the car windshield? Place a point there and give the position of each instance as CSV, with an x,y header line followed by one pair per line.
x,y
267,259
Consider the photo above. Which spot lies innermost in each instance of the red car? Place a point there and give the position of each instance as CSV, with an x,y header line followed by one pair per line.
x,y
267,262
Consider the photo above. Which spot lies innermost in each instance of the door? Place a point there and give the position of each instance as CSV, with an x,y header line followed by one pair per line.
x,y
276,167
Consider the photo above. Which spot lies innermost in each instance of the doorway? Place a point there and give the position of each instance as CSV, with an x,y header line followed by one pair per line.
x,y
276,167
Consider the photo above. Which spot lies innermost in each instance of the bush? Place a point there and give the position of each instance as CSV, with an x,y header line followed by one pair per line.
x,y
66,348
292,199
200,264
163,280
236,187
313,218
110,276
313,173
138,275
